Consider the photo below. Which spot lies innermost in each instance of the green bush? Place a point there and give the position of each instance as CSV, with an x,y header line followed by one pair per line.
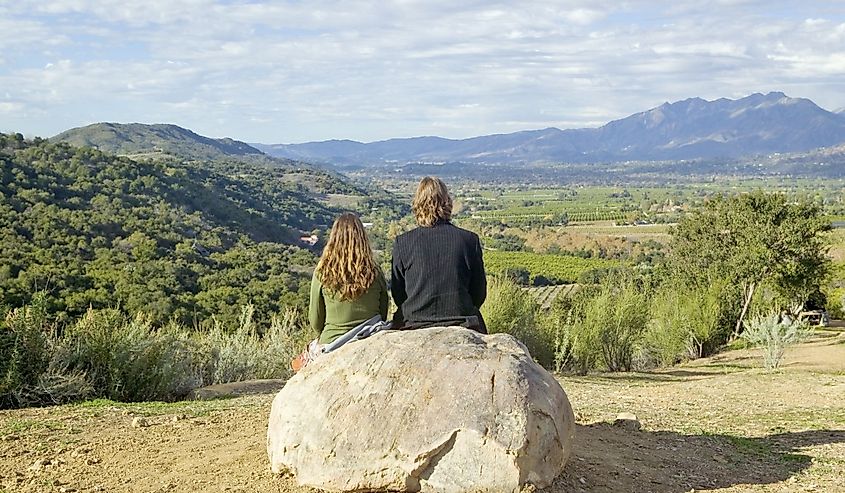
x,y
834,290
24,355
242,354
618,316
686,322
836,303
129,360
558,324
511,309
574,349
601,325
106,354
667,337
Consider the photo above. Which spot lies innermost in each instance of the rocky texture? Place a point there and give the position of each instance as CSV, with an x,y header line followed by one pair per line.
x,y
440,409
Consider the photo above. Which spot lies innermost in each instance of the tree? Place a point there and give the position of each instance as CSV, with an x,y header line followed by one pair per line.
x,y
751,239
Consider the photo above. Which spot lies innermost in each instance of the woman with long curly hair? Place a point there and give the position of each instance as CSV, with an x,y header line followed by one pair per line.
x,y
348,286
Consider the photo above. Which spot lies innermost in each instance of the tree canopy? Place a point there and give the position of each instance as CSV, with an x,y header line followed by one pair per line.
x,y
752,239
167,237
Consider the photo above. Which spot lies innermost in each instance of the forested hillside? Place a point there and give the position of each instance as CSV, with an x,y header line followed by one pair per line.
x,y
167,142
165,237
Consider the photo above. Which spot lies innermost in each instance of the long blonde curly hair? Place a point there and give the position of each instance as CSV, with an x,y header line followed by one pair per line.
x,y
347,268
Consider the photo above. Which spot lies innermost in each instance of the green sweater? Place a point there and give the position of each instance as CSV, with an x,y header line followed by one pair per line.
x,y
331,318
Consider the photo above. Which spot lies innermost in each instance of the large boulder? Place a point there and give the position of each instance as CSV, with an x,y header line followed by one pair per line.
x,y
440,409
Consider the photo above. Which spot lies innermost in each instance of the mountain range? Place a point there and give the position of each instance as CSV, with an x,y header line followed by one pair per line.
x,y
759,124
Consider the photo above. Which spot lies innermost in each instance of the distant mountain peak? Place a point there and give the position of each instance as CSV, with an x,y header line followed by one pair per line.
x,y
692,128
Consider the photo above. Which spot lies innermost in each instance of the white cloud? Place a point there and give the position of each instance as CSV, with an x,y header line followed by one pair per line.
x,y
293,71
10,107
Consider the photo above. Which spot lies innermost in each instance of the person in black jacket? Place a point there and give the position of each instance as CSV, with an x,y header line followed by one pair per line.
x,y
437,275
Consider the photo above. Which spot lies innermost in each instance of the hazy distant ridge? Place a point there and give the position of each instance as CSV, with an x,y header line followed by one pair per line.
x,y
139,138
688,129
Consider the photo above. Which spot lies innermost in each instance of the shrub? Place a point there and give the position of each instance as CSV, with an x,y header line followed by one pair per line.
x,y
710,317
242,354
511,309
836,302
601,325
129,360
24,355
667,337
559,326
618,316
157,367
834,291
574,348
774,336
685,322
106,354
285,339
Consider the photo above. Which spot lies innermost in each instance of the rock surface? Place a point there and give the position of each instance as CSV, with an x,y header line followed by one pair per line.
x,y
440,409
236,389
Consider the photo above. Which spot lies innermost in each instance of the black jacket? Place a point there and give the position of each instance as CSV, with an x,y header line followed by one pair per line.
x,y
437,277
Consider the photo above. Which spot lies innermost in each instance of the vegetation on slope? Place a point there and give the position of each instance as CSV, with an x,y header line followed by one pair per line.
x,y
137,138
167,238
163,142
137,280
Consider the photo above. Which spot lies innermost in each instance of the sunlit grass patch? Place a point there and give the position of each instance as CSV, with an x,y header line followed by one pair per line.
x,y
24,425
158,408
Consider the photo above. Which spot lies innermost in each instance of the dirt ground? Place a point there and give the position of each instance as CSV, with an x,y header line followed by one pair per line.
x,y
720,424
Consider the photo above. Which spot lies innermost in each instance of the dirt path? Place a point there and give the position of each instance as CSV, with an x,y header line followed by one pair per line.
x,y
716,425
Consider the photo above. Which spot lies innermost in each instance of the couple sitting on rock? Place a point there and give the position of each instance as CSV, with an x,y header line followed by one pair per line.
x,y
437,276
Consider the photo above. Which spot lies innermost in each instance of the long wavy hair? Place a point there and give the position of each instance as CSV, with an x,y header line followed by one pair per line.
x,y
347,268
432,202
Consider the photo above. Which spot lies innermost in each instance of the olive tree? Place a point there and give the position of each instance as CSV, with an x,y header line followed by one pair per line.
x,y
749,239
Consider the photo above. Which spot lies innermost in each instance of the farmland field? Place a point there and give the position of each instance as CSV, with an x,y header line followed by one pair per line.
x,y
556,268
546,295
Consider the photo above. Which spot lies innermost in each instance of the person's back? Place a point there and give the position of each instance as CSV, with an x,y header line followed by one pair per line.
x,y
437,274
348,287
332,316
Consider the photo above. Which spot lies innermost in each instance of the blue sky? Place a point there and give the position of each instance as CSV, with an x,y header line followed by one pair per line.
x,y
294,71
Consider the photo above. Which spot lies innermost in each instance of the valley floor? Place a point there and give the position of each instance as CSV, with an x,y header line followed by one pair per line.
x,y
720,424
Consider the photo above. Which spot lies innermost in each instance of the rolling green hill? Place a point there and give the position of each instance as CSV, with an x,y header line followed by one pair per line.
x,y
170,238
168,142
143,139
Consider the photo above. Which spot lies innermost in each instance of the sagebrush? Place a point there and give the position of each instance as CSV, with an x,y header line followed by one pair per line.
x,y
774,334
107,354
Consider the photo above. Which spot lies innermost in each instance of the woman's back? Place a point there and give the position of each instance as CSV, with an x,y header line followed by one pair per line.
x,y
338,316
348,287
